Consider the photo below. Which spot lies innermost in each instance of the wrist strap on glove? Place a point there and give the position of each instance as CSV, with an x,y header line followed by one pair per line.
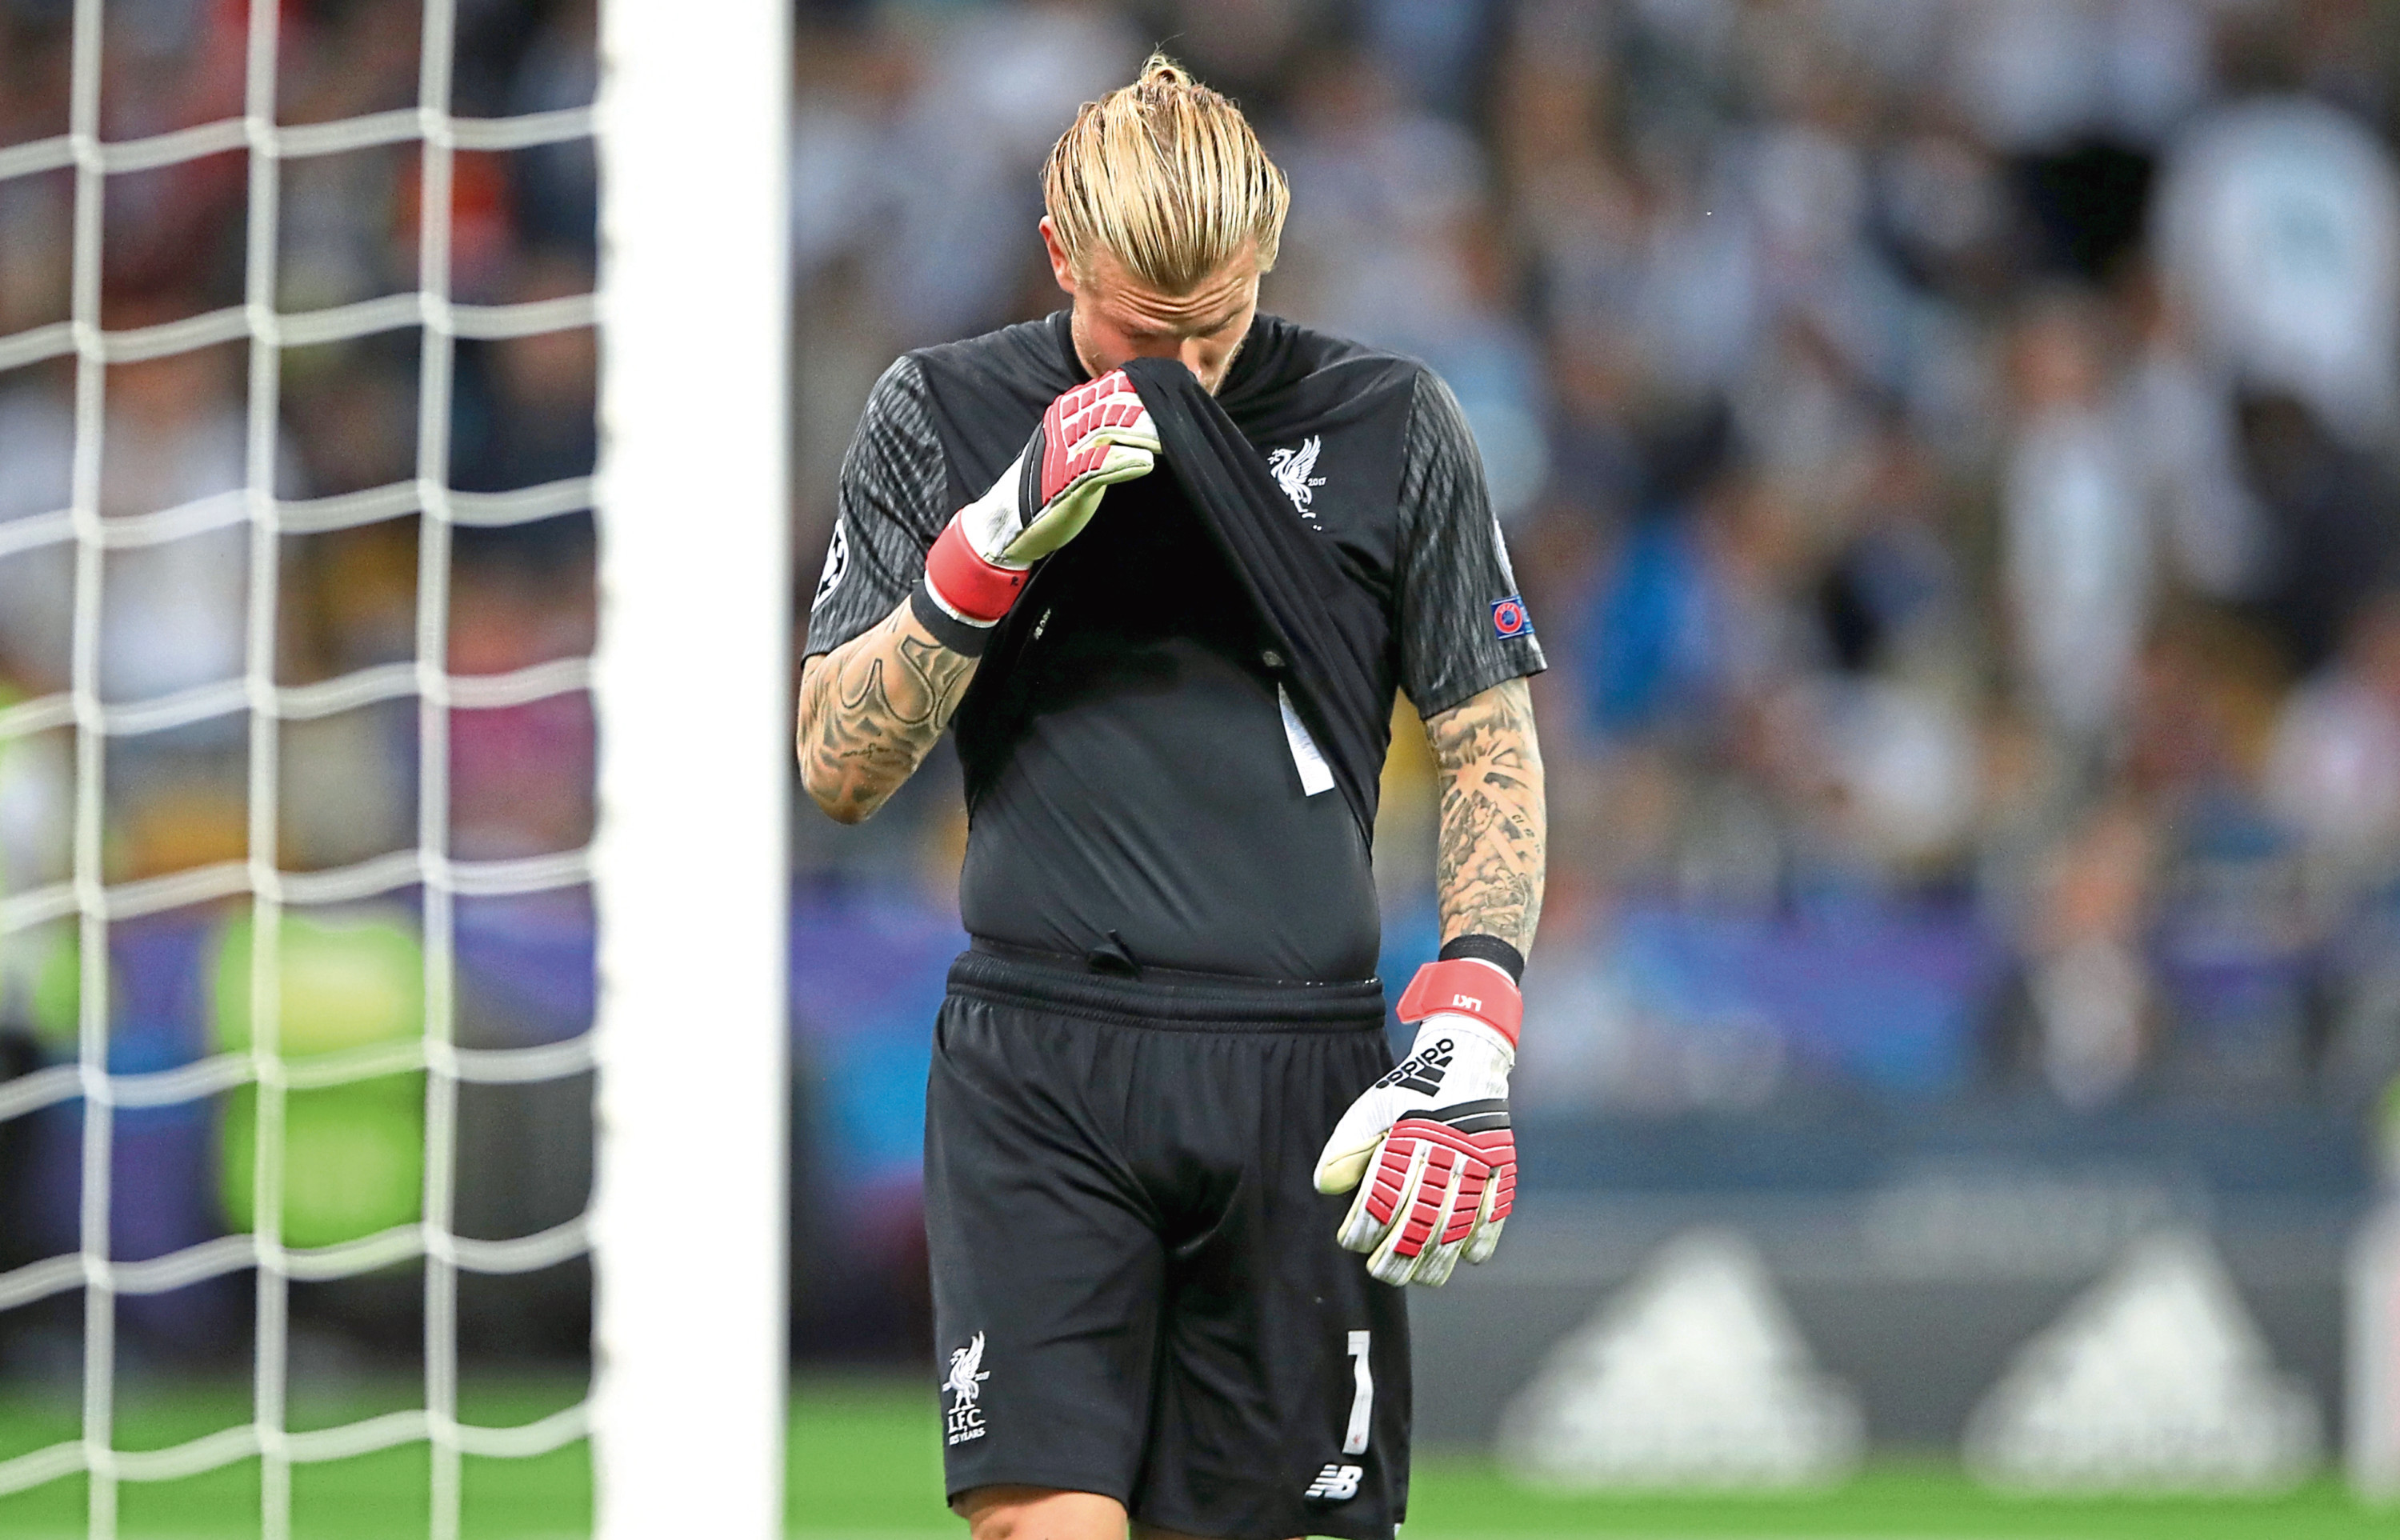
x,y
976,590
1486,948
1469,987
964,637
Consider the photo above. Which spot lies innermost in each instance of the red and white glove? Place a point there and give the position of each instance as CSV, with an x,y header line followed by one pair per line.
x,y
1090,439
1434,1131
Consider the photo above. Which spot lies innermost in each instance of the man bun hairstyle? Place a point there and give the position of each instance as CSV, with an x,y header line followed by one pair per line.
x,y
1165,175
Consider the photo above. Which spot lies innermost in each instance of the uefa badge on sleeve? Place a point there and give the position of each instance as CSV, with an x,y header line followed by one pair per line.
x,y
1509,620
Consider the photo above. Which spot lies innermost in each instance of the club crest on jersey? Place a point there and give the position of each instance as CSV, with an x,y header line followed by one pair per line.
x,y
1422,1071
1335,1484
1509,618
1291,468
837,565
964,1421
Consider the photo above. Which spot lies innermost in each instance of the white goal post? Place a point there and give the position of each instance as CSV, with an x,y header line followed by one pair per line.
x,y
690,685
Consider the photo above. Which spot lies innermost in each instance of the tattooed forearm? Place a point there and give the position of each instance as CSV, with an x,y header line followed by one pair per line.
x,y
1489,864
869,711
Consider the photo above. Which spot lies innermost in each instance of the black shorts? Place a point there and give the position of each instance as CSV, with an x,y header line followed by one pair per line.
x,y
1137,1290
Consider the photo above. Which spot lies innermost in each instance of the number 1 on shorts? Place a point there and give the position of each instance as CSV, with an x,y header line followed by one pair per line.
x,y
1362,1402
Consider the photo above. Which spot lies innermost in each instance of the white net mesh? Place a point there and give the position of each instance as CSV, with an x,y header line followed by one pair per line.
x,y
93,904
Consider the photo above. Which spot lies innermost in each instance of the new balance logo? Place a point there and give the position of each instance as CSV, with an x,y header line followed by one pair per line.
x,y
1335,1484
1421,1072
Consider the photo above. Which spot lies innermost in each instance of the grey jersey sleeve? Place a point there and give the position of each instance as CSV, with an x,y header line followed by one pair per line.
x,y
893,489
1462,625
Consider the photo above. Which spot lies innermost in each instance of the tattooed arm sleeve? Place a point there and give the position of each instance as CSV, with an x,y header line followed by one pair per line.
x,y
1489,864
869,711
877,689
1466,643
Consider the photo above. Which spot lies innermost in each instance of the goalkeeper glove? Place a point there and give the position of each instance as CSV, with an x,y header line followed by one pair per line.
x,y
1089,438
1432,1137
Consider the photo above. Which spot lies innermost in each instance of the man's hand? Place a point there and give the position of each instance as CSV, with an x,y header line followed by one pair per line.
x,y
1090,439
1433,1133
871,709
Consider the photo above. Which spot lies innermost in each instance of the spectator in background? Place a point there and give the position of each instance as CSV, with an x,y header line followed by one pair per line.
x,y
526,404
2328,510
2278,221
37,477
1381,195
556,194
2035,74
931,175
1894,707
2181,429
175,612
1400,246
2333,773
2087,1003
520,775
1435,47
1246,45
2076,548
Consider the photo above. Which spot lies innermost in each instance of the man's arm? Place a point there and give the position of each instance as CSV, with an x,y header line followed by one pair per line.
x,y
1489,865
1434,1131
871,709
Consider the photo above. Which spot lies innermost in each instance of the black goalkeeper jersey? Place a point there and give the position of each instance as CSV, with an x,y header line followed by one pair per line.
x,y
1139,783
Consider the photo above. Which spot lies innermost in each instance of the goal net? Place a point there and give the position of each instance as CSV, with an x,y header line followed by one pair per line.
x,y
687,863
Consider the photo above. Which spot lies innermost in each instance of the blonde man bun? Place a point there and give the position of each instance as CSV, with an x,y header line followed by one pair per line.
x,y
1165,175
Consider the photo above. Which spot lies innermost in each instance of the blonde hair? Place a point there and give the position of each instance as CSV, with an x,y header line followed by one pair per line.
x,y
1165,175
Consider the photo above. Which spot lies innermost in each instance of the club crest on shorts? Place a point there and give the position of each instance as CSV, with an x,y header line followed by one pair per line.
x,y
1335,1484
1509,618
964,1419
1291,468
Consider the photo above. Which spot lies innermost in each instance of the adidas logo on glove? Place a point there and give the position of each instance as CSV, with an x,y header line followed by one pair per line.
x,y
1422,1070
1434,1132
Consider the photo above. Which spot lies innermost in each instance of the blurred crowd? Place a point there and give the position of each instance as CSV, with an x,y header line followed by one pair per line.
x,y
177,438
1949,449
175,433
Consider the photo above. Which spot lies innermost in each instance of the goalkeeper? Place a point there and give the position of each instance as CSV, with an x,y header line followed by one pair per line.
x,y
1163,560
